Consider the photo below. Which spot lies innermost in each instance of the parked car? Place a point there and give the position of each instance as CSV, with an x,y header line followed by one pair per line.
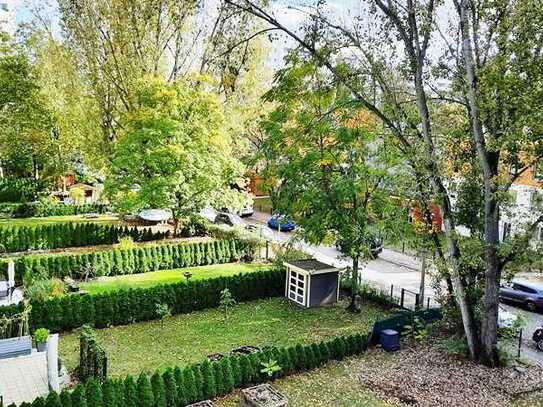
x,y
229,219
525,293
276,221
246,212
376,247
209,213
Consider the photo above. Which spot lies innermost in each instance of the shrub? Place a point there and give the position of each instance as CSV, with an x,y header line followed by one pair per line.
x,y
138,304
115,261
52,236
41,335
179,387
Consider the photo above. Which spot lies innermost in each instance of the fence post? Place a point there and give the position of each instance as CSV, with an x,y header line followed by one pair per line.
x,y
428,303
417,301
519,342
267,249
402,297
391,292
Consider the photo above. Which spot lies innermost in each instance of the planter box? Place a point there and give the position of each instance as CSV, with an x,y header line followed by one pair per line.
x,y
206,403
263,395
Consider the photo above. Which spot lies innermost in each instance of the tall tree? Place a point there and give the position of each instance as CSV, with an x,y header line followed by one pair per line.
x,y
329,162
174,152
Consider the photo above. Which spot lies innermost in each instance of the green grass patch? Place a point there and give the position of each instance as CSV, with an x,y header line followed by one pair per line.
x,y
145,280
188,338
109,219
335,384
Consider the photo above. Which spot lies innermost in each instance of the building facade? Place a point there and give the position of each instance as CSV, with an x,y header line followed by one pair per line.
x,y
8,22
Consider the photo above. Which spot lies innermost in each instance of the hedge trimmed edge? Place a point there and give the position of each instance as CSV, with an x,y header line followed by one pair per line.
x,y
141,259
55,235
180,386
139,304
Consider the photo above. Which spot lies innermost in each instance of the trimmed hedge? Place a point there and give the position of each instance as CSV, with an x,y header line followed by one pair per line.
x,y
180,386
38,210
52,236
139,304
129,261
20,189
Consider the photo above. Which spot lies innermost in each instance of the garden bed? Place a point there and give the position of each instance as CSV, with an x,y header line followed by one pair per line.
x,y
150,279
189,338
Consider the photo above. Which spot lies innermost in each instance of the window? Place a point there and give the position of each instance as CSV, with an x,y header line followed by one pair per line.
x,y
296,287
523,288
506,231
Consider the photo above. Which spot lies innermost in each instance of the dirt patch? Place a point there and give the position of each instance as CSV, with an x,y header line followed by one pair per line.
x,y
426,376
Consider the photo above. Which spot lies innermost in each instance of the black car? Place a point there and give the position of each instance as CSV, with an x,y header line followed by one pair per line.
x,y
376,247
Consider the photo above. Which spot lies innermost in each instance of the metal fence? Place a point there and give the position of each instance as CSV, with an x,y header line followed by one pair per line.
x,y
403,297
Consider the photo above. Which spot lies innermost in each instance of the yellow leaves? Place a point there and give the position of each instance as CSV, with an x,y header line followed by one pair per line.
x,y
362,119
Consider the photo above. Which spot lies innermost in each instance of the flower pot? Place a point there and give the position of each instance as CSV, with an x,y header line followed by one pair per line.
x,y
42,346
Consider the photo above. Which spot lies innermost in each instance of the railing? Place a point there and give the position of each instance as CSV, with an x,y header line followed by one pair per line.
x,y
403,297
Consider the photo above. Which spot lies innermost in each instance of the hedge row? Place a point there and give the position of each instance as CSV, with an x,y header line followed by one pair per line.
x,y
182,386
139,304
20,189
38,209
55,235
137,260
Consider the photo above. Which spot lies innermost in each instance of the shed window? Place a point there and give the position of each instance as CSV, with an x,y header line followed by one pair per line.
x,y
297,287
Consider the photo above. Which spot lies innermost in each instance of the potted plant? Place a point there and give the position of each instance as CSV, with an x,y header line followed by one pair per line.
x,y
40,336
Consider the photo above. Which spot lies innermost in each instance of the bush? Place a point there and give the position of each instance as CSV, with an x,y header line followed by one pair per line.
x,y
46,208
20,189
41,335
52,236
131,305
137,260
92,356
179,387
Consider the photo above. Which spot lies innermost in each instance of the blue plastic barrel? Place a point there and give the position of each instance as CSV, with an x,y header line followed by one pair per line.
x,y
390,340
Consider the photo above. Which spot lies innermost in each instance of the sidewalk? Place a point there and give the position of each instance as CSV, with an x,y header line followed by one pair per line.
x,y
400,259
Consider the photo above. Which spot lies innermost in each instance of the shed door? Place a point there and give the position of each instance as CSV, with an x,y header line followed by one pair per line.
x,y
296,287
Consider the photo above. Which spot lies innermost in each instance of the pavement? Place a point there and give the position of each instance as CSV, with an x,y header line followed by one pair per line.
x,y
23,378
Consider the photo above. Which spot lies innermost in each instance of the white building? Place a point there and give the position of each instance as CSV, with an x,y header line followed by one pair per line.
x,y
8,16
524,208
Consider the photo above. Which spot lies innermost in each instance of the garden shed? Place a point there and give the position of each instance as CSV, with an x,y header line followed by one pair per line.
x,y
310,283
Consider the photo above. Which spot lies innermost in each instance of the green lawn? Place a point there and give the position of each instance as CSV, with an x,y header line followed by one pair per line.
x,y
188,338
57,219
142,280
335,384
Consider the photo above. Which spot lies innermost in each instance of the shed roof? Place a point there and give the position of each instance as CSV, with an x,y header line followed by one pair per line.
x,y
311,266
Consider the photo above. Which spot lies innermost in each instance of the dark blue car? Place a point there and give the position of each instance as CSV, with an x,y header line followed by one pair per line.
x,y
286,224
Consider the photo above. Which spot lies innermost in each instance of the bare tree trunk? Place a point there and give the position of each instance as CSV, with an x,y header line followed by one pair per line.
x,y
489,164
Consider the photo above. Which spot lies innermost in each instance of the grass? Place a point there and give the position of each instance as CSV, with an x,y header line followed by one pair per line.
x,y
58,219
105,284
186,339
335,384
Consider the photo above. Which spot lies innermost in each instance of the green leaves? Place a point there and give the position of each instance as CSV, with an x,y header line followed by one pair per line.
x,y
174,152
